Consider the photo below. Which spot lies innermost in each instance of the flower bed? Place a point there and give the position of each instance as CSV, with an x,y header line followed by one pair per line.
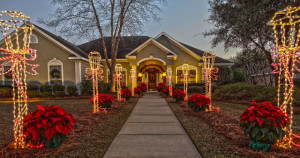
x,y
47,126
166,90
199,102
137,91
160,87
264,123
143,87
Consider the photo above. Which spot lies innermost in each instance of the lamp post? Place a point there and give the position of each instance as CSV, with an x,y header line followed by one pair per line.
x,y
169,73
118,79
185,71
18,54
94,73
132,75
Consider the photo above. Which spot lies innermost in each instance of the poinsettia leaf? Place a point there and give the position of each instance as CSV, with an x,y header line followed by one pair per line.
x,y
41,107
259,121
254,131
48,133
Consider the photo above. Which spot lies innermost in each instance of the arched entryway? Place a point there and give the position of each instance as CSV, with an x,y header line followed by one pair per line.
x,y
151,72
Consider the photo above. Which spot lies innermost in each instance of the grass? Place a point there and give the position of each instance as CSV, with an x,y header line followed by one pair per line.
x,y
93,133
217,134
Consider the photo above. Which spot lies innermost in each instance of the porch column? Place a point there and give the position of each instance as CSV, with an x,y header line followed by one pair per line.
x,y
133,84
78,75
170,67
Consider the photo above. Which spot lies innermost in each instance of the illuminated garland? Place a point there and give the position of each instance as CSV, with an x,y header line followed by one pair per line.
x,y
185,73
132,79
18,56
209,73
118,77
154,67
285,24
94,73
170,78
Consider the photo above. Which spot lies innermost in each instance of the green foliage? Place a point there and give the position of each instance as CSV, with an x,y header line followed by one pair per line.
x,y
5,92
59,93
195,107
104,87
46,88
58,88
46,94
72,90
33,94
86,87
33,88
224,75
238,76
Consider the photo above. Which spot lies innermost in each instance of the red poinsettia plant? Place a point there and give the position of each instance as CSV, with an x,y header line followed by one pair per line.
x,y
160,87
126,93
179,95
264,123
137,91
166,90
47,126
143,87
199,102
105,100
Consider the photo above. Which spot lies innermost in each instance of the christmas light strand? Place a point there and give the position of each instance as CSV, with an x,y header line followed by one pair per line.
x,y
285,53
170,79
94,73
17,54
186,77
133,80
209,73
118,77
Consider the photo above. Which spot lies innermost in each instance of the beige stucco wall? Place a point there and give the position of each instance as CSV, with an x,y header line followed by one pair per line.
x,y
47,51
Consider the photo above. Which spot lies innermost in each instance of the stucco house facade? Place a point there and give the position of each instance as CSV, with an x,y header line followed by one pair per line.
x,y
61,62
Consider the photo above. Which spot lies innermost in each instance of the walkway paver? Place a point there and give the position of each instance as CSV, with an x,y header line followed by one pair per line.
x,y
152,130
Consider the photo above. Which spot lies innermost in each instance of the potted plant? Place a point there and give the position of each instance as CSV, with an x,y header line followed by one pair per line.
x,y
137,91
143,87
166,90
179,95
160,87
105,100
126,93
199,102
47,126
264,123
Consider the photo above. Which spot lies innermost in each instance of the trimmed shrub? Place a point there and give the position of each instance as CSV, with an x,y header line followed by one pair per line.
x,y
58,88
224,75
104,87
46,94
33,94
5,92
32,88
59,93
46,88
72,90
86,87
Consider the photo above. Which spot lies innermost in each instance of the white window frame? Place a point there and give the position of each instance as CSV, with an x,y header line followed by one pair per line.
x,y
55,62
35,37
123,69
191,67
2,71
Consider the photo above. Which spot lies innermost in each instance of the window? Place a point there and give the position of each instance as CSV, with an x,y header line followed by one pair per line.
x,y
124,72
55,72
6,78
192,73
33,39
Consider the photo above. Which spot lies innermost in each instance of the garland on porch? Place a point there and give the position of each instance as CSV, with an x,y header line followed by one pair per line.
x,y
152,68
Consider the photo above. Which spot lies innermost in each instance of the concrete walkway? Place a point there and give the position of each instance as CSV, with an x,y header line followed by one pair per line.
x,y
152,130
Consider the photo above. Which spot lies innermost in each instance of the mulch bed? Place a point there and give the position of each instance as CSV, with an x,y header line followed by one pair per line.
x,y
85,124
228,126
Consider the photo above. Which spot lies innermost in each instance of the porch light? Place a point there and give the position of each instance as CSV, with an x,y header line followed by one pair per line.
x,y
164,74
140,74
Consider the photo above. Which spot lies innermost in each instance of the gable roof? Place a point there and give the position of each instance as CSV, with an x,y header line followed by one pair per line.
x,y
151,40
127,44
62,42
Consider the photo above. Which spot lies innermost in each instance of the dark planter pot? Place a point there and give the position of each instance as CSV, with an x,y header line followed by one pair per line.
x,y
259,146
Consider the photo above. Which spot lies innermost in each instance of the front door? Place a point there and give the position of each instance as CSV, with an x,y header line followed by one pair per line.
x,y
151,80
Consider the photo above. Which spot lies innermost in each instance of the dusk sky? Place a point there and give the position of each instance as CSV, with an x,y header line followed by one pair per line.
x,y
183,21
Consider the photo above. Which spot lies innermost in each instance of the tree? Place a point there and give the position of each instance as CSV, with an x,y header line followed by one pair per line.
x,y
238,75
245,23
93,18
224,75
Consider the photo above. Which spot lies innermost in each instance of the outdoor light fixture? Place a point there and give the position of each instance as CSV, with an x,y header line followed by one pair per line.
x,y
132,76
94,73
164,74
118,77
209,73
140,74
286,31
18,54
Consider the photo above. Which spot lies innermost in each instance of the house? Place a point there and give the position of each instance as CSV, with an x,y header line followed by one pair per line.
x,y
62,62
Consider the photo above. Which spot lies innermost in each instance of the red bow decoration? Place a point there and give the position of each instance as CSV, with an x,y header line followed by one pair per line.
x,y
93,73
206,73
18,57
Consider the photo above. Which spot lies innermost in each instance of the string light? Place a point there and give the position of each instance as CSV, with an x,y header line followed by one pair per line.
x,y
132,78
118,77
209,74
170,78
94,73
287,32
17,55
185,72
